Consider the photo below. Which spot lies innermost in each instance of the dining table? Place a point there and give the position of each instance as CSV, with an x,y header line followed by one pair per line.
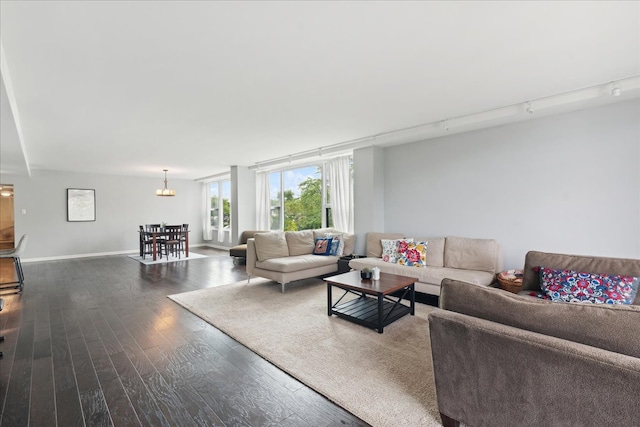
x,y
154,235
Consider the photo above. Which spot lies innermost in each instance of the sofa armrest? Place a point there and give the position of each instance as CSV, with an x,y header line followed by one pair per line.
x,y
611,327
487,373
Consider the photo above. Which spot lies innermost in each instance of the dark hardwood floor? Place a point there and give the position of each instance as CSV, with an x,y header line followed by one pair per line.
x,y
95,341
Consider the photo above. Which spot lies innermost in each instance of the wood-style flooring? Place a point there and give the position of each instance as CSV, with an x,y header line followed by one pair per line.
x,y
95,342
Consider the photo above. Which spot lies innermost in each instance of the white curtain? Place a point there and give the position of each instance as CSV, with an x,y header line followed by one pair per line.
x,y
206,218
263,201
341,194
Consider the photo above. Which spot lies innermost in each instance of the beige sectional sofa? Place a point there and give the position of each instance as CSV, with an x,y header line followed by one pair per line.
x,y
475,261
286,257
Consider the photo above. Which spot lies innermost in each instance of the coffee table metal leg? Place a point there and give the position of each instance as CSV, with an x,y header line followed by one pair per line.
x,y
380,312
329,305
413,299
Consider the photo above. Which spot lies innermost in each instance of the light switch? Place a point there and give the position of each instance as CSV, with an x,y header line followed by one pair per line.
x,y
24,211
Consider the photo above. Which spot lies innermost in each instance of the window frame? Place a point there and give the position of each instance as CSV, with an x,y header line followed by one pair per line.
x,y
325,213
219,184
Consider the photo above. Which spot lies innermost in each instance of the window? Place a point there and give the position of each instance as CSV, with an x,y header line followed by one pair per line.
x,y
276,198
298,199
226,204
220,195
213,195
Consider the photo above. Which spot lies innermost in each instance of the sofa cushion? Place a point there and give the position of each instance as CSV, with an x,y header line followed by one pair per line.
x,y
322,232
271,245
374,246
248,234
349,244
390,248
300,242
412,254
430,275
435,250
296,263
573,286
471,254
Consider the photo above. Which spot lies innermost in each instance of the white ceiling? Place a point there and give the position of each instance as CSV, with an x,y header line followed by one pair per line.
x,y
131,88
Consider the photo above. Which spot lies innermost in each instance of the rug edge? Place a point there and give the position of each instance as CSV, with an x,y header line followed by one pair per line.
x,y
264,357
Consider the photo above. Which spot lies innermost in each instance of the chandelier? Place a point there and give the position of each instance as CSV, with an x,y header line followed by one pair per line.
x,y
165,192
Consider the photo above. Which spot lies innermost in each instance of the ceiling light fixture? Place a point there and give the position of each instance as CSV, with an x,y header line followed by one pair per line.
x,y
615,90
165,192
6,190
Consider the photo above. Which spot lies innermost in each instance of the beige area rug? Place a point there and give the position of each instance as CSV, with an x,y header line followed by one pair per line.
x,y
172,258
385,379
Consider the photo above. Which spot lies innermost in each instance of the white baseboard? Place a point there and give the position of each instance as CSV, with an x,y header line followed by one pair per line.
x,y
98,254
212,246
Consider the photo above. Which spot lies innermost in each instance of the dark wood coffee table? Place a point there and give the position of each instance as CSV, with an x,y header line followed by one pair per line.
x,y
375,307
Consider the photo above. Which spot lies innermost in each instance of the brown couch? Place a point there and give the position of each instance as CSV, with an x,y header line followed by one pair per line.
x,y
239,252
500,359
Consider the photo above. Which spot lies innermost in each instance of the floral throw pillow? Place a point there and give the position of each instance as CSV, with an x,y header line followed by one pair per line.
x,y
390,248
573,286
413,254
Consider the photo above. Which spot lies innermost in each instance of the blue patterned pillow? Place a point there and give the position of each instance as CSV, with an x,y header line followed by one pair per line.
x,y
412,254
337,243
573,286
322,246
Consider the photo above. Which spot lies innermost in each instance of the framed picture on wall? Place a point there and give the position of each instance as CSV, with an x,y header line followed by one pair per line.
x,y
81,205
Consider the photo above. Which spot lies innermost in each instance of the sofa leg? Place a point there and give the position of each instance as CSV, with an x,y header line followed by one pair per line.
x,y
448,421
282,287
248,279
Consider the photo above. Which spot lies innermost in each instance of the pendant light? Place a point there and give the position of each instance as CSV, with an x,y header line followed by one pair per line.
x,y
165,192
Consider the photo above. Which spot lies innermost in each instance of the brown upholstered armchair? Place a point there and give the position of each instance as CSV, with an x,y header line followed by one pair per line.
x,y
239,252
502,359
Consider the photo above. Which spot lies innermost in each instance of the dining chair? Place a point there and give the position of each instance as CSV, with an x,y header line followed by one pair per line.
x,y
183,237
173,241
156,228
146,243
14,254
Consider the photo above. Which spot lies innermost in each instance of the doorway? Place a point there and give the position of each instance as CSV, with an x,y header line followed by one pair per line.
x,y
7,219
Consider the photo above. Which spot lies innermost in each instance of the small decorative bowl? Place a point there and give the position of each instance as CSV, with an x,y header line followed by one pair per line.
x,y
366,275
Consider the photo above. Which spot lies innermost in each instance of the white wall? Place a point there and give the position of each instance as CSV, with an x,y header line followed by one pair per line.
x,y
243,201
122,204
568,183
